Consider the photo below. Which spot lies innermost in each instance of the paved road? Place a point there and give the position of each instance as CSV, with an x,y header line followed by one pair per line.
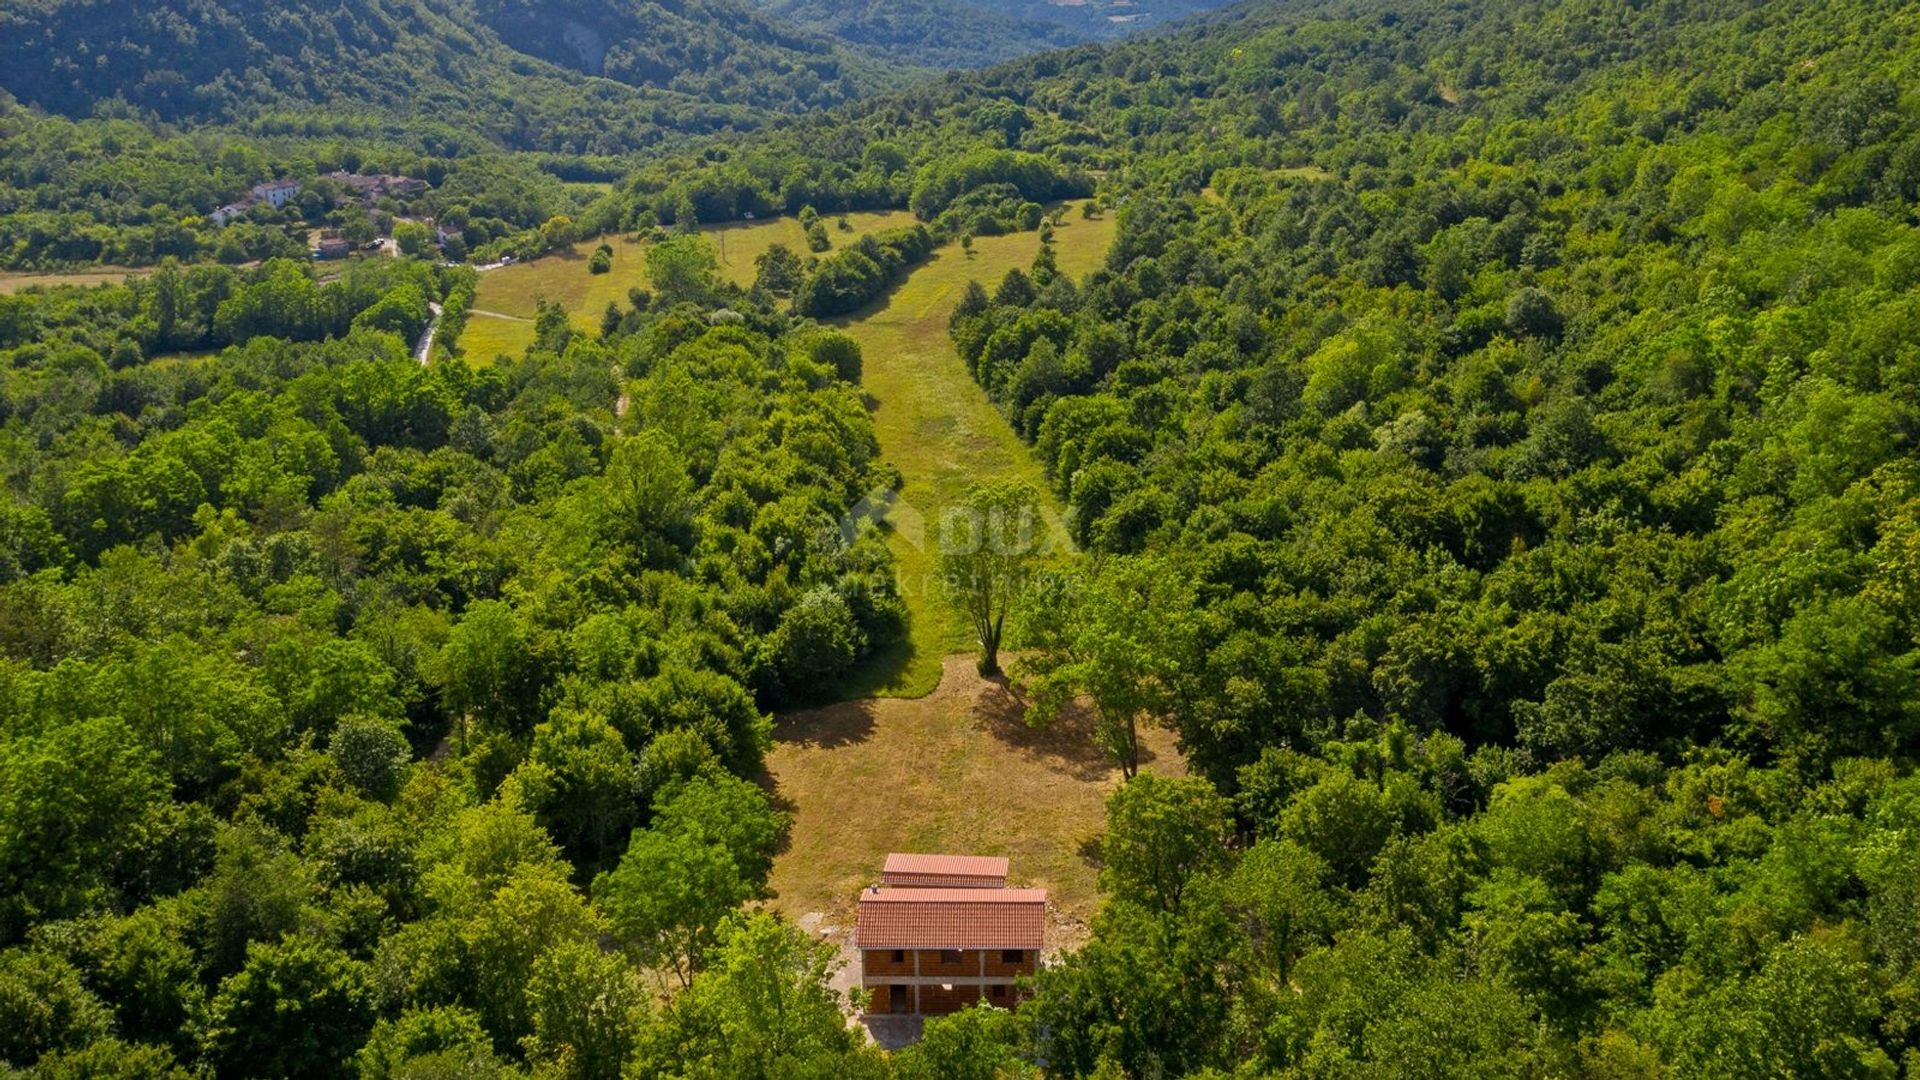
x,y
425,348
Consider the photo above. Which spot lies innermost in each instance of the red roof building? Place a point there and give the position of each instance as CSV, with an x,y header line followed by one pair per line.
x,y
944,932
945,871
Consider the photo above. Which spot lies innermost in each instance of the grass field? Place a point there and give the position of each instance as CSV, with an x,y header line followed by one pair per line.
x,y
106,275
955,771
507,299
937,426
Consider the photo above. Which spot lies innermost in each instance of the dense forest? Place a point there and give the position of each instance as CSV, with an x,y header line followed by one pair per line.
x,y
506,71
1508,416
253,597
1490,450
976,33
928,33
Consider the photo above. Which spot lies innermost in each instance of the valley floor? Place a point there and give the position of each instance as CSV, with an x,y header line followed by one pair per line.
x,y
934,757
508,297
939,429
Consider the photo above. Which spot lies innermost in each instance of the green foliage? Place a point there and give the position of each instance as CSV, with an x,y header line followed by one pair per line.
x,y
1161,834
778,270
329,678
990,546
667,898
1489,436
73,797
44,1008
815,644
371,755
837,352
978,1043
854,278
1032,176
447,1040
763,1009
412,238
95,191
1116,637
478,54
298,1008
682,267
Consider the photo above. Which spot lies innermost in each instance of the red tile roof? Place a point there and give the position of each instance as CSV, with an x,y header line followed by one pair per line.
x,y
964,918
938,871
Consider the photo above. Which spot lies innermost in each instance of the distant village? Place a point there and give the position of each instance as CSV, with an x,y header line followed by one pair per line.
x,y
367,188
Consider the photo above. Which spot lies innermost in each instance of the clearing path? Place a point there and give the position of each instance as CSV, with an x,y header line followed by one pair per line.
x,y
938,758
937,426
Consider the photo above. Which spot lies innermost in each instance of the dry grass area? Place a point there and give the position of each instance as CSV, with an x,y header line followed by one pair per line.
x,y
507,299
955,771
11,283
938,427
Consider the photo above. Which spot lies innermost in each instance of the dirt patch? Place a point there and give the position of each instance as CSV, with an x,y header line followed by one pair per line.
x,y
958,770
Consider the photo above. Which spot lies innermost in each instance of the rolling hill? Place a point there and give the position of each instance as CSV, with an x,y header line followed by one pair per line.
x,y
978,33
511,70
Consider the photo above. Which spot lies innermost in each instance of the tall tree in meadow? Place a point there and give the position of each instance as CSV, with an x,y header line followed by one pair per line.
x,y
989,547
682,267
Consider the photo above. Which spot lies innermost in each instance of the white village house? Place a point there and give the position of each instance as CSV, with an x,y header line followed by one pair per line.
x,y
275,193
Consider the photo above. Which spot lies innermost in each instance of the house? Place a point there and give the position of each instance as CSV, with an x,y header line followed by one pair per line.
x,y
333,247
276,193
944,931
944,871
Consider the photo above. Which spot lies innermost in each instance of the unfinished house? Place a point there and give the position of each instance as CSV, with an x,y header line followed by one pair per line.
x,y
942,932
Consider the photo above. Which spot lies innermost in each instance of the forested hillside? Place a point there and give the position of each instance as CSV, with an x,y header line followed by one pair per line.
x,y
1489,448
507,71
976,33
929,33
334,677
77,193
1508,411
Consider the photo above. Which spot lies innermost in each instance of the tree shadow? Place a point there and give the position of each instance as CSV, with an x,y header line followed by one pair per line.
x,y
780,801
878,670
893,1032
1066,744
828,726
1090,851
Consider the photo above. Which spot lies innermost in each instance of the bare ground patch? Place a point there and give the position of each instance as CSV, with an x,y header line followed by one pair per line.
x,y
956,770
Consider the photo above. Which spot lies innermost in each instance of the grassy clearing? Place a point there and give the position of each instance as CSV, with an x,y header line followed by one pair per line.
x,y
956,770
11,283
514,291
937,426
